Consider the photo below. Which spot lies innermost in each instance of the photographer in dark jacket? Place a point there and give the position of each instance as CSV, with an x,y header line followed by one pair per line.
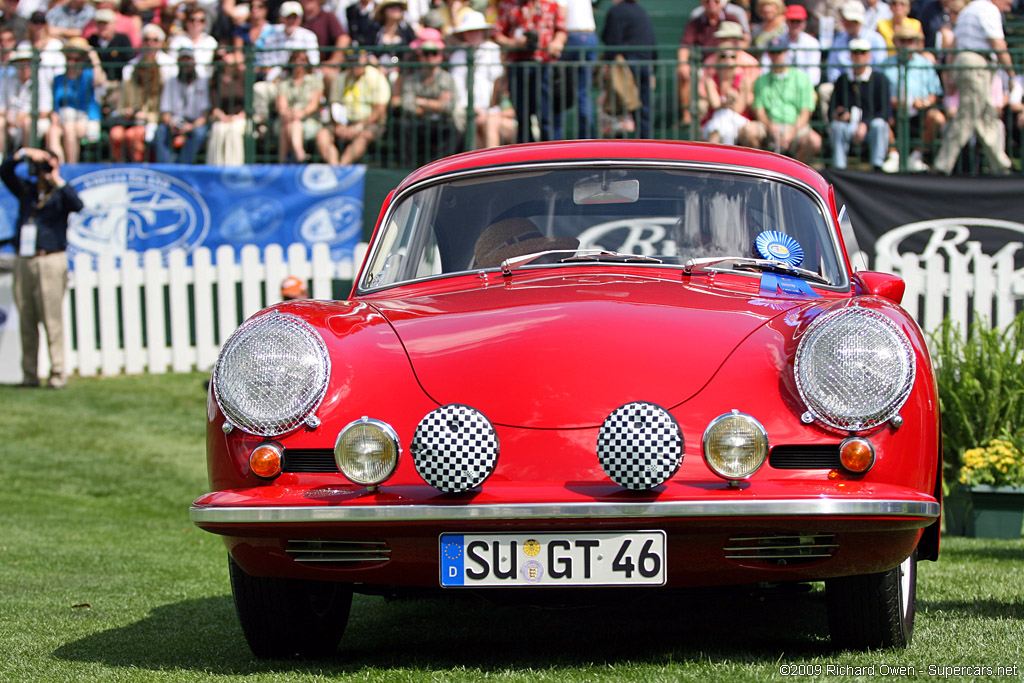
x,y
41,268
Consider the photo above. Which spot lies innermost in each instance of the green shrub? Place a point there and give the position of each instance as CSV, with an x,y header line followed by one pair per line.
x,y
980,385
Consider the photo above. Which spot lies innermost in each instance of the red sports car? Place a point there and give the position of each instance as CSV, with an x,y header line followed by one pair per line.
x,y
580,366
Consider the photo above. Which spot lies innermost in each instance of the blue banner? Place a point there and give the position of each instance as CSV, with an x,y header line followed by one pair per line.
x,y
168,206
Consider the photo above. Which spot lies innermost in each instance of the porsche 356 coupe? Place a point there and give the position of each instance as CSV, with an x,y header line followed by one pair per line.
x,y
579,366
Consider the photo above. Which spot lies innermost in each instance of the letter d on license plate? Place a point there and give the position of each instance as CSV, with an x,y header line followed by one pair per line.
x,y
634,558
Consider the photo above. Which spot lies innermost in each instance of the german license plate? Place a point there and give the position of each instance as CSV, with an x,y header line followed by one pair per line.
x,y
634,558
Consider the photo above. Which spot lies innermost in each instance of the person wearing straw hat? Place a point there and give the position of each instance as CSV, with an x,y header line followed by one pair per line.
x,y
512,237
919,94
395,31
76,114
18,98
492,126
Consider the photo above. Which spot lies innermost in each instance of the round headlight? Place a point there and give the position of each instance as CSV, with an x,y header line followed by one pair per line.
x,y
735,445
854,369
272,374
367,451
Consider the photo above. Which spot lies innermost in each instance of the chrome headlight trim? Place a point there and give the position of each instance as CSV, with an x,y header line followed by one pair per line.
x,y
387,432
272,374
759,443
854,369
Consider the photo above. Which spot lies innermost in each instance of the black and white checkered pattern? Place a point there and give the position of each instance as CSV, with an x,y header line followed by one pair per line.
x,y
455,448
640,446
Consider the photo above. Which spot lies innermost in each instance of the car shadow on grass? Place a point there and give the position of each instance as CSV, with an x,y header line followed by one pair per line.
x,y
462,631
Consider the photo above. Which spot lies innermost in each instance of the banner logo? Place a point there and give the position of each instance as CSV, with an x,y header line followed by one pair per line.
x,y
952,238
125,208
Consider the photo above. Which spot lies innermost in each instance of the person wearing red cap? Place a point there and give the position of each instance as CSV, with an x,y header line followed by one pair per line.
x,y
804,49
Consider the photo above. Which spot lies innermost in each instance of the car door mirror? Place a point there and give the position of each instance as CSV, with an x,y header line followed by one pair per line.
x,y
886,285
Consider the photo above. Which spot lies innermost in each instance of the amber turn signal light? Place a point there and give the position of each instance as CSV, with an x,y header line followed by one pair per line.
x,y
857,455
265,460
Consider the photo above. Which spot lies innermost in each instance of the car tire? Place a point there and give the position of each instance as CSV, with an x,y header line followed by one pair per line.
x,y
874,611
290,617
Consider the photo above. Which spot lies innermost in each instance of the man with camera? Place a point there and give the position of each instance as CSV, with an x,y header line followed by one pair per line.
x,y
533,32
41,268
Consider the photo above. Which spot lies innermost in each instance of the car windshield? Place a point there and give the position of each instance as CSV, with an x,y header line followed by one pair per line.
x,y
580,216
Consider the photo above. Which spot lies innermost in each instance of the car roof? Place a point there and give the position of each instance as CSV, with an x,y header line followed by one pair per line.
x,y
620,150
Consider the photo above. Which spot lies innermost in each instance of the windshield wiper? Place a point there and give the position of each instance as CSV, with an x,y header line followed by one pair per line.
x,y
577,256
612,257
508,264
756,264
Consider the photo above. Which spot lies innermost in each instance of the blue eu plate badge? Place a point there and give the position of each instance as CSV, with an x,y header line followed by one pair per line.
x,y
452,561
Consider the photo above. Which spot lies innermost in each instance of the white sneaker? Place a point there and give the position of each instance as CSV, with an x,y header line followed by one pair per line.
x,y
915,164
892,162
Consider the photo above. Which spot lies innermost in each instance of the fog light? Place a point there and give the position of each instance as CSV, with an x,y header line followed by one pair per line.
x,y
367,451
265,460
735,445
857,455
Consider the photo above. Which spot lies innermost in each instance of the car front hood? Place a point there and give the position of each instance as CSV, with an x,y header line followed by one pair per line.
x,y
556,352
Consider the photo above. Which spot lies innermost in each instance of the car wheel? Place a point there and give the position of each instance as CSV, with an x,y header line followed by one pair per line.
x,y
874,610
289,617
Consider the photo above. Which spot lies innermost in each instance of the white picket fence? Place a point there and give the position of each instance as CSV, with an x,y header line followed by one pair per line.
x,y
966,288
135,318
160,313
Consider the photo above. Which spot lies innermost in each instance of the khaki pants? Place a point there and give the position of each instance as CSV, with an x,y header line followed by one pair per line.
x,y
39,286
975,115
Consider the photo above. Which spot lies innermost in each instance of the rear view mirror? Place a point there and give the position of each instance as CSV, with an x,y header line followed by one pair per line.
x,y
587,192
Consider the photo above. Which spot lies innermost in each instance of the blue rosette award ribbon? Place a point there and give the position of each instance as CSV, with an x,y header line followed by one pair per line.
x,y
778,246
773,245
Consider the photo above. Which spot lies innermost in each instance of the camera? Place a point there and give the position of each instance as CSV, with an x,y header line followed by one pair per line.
x,y
531,40
38,168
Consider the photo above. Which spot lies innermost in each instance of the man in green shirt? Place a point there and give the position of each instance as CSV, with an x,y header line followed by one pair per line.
x,y
783,103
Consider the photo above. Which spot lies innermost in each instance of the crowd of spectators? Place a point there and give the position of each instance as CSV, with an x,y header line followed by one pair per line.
x,y
167,81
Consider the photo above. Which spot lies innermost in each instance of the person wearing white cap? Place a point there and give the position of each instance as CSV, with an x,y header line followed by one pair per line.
x,y
492,126
115,49
860,110
979,33
278,46
853,17
288,37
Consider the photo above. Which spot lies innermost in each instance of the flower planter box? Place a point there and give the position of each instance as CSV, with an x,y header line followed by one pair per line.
x,y
985,511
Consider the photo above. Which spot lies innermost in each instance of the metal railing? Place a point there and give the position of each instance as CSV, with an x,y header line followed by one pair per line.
x,y
410,136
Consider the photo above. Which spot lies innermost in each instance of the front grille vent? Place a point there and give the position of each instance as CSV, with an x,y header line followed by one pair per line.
x,y
814,457
309,460
781,549
330,551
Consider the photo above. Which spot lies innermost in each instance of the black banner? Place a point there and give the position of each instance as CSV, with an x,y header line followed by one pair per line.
x,y
894,215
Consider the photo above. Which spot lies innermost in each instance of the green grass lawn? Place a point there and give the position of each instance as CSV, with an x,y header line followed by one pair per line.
x,y
103,577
